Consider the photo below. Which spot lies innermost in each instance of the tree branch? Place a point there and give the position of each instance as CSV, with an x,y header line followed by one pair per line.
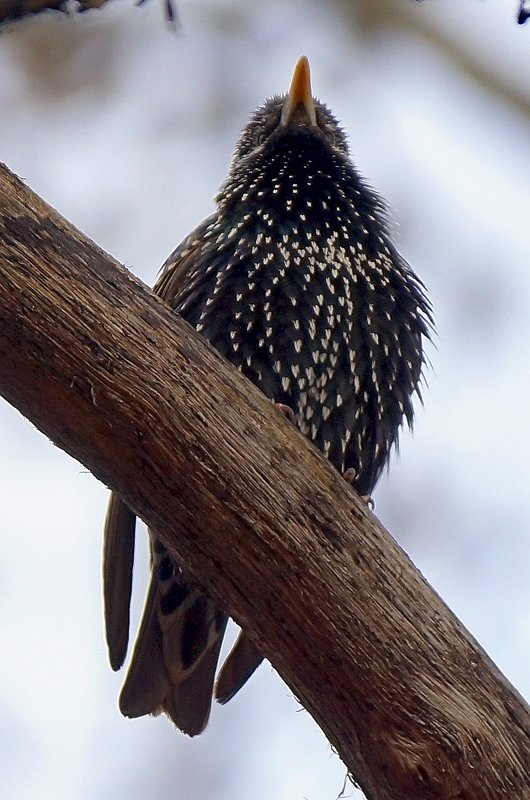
x,y
11,10
412,704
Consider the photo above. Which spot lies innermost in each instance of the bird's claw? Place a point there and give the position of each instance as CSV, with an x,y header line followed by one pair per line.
x,y
286,411
349,476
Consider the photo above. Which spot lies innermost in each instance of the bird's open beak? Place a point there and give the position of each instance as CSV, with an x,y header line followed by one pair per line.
x,y
299,102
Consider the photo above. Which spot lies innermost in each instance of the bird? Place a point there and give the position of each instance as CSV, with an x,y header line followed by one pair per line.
x,y
293,279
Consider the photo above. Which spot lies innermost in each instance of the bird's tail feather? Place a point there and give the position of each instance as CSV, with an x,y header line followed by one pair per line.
x,y
176,652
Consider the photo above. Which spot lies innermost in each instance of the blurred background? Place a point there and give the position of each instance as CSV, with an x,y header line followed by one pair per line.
x,y
127,128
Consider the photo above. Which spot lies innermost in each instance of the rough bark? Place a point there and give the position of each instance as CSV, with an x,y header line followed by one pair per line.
x,y
412,704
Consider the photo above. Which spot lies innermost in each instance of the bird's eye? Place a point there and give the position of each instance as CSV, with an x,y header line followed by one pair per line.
x,y
266,131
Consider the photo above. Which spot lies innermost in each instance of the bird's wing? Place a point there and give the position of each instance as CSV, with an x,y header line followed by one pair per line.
x,y
176,652
120,522
118,556
244,658
180,263
239,665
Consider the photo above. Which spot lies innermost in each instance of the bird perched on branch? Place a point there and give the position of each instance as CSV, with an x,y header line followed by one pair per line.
x,y
295,281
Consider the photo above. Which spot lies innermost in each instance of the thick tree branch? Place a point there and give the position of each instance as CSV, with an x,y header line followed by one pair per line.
x,y
412,704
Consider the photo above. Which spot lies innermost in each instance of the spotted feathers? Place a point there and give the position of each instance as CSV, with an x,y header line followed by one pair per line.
x,y
294,280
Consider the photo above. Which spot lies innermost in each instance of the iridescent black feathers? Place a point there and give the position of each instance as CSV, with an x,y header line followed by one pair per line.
x,y
295,281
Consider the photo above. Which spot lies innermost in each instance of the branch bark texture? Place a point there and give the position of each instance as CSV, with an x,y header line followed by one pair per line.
x,y
414,707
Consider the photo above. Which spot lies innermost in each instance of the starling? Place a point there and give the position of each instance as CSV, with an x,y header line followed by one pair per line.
x,y
295,281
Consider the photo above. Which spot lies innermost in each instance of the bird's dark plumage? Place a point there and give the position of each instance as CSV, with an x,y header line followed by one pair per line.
x,y
295,281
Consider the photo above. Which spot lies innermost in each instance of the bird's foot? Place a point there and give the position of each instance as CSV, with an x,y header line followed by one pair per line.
x,y
286,411
349,475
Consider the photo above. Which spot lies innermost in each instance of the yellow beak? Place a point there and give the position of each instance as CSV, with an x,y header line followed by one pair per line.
x,y
299,98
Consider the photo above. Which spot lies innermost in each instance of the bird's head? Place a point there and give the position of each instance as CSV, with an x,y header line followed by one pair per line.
x,y
294,123
297,112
